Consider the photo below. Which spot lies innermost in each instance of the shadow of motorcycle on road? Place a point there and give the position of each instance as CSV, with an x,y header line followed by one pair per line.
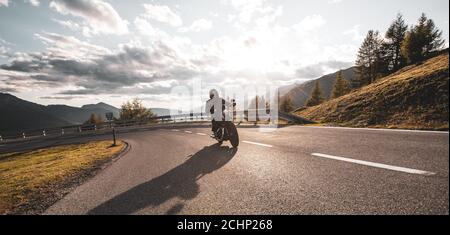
x,y
179,182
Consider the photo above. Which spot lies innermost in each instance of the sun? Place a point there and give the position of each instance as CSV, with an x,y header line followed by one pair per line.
x,y
257,57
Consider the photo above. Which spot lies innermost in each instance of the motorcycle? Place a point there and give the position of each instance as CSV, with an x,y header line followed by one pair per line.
x,y
227,131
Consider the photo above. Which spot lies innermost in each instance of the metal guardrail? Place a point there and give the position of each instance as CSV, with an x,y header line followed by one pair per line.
x,y
251,116
294,118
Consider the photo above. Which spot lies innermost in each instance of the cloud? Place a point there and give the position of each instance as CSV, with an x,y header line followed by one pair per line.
x,y
4,3
60,97
84,29
334,1
144,27
34,3
250,42
162,13
147,88
310,23
270,15
71,67
155,60
99,15
198,25
60,46
354,32
96,70
253,14
247,9
7,89
320,69
4,48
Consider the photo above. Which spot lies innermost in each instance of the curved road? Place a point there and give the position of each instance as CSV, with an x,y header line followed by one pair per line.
x,y
293,170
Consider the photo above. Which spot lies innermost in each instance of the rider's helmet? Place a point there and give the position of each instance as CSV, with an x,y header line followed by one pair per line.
x,y
213,93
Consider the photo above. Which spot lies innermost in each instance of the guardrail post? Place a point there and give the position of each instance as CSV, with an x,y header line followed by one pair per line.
x,y
23,135
114,136
62,131
95,127
43,133
79,129
1,138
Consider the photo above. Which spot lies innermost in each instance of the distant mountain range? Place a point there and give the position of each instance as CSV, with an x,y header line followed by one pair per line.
x,y
301,93
79,115
19,115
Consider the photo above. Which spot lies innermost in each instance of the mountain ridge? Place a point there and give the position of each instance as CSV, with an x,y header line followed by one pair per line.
x,y
301,93
19,115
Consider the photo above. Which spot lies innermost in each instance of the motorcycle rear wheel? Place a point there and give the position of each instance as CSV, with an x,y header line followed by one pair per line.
x,y
233,134
219,135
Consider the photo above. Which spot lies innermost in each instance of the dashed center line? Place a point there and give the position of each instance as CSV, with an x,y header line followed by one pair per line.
x,y
175,130
200,133
190,132
374,164
255,143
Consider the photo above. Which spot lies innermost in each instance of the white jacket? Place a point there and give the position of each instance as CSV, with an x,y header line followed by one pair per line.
x,y
215,107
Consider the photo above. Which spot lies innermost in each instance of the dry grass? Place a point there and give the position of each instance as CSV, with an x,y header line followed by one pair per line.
x,y
415,97
29,176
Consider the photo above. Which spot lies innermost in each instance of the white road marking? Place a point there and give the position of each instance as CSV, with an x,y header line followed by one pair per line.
x,y
200,133
374,129
175,130
190,132
374,164
255,143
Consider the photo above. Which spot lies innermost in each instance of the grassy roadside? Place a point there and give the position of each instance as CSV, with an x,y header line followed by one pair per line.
x,y
34,180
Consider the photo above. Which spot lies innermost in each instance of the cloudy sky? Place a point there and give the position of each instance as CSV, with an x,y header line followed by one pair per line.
x,y
86,51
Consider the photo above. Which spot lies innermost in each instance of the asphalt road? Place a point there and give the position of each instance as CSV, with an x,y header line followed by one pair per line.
x,y
293,170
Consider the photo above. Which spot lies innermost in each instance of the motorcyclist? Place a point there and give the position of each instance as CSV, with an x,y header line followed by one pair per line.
x,y
216,107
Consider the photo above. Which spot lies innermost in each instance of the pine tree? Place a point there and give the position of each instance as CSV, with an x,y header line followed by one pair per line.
x,y
316,96
369,61
341,86
395,36
421,40
286,105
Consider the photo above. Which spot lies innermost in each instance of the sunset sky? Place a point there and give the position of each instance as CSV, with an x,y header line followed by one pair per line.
x,y
76,52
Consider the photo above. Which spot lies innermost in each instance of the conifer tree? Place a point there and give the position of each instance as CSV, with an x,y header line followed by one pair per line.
x,y
421,40
316,96
341,86
286,104
395,35
369,60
